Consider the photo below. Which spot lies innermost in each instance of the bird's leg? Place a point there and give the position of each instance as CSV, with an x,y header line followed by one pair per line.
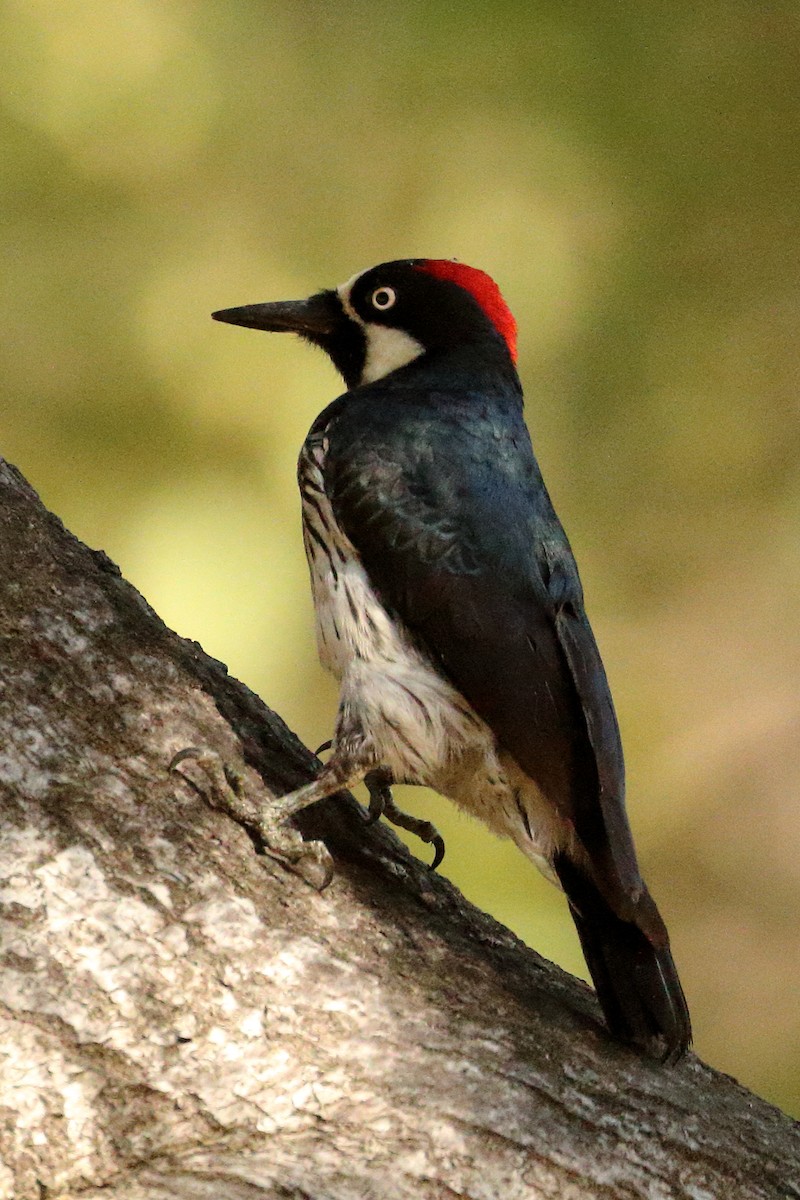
x,y
267,816
378,784
339,774
381,803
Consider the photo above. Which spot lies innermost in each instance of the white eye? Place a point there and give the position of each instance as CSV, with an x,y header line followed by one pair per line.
x,y
383,298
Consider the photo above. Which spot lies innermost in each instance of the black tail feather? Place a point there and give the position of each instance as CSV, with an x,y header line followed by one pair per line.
x,y
633,972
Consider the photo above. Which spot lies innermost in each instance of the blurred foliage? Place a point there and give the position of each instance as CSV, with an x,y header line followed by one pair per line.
x,y
629,174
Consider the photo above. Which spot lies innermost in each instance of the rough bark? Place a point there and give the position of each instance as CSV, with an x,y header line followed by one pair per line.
x,y
183,1017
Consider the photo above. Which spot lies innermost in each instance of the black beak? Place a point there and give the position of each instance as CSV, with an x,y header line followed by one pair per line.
x,y
315,318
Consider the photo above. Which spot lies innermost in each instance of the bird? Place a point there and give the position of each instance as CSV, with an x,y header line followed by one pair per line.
x,y
449,607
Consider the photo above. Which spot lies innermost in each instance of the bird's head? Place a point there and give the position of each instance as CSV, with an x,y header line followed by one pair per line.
x,y
386,317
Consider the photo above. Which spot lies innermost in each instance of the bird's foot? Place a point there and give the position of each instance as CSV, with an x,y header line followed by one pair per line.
x,y
266,816
381,804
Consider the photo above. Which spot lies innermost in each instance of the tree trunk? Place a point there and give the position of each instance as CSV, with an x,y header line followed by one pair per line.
x,y
184,1017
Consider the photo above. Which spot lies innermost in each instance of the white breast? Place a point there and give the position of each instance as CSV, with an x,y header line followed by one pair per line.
x,y
351,623
415,717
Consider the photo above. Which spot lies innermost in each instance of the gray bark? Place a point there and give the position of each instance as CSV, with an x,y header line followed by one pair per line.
x,y
183,1017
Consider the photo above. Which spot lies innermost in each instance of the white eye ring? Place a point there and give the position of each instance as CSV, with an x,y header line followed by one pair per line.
x,y
383,298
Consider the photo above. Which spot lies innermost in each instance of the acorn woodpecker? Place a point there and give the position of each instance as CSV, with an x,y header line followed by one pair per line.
x,y
449,607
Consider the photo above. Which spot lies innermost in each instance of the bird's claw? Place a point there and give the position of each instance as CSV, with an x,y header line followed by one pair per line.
x,y
310,860
438,851
226,789
381,804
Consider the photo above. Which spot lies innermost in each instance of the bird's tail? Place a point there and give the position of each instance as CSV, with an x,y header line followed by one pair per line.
x,y
631,966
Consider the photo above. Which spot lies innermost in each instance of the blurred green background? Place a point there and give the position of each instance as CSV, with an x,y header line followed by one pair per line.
x,y
629,175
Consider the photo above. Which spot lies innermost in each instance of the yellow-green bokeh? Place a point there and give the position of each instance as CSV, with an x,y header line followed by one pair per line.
x,y
629,174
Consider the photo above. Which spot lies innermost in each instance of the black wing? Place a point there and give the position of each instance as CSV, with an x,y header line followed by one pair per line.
x,y
446,507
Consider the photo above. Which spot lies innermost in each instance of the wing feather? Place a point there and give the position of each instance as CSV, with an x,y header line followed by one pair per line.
x,y
456,530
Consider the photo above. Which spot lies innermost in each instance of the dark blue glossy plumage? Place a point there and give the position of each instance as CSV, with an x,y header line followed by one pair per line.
x,y
437,487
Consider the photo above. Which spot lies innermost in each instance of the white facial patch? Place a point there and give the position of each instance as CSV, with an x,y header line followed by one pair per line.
x,y
388,349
